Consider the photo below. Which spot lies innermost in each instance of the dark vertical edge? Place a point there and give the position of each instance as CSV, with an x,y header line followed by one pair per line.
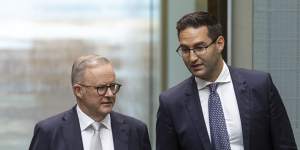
x,y
252,37
164,44
297,122
218,8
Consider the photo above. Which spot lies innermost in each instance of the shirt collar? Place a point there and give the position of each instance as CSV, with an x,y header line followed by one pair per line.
x,y
223,77
107,122
85,121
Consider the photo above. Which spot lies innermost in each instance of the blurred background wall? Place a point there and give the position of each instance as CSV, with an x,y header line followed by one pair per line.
x,y
39,39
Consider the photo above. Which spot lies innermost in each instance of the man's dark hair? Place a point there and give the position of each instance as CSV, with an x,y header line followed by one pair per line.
x,y
199,19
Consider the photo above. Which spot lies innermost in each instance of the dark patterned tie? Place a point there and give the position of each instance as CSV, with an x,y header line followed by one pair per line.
x,y
218,130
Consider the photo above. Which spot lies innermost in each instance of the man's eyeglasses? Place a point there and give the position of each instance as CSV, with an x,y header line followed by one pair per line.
x,y
102,89
198,50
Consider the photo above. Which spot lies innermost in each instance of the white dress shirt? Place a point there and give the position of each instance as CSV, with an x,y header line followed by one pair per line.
x,y
86,132
229,104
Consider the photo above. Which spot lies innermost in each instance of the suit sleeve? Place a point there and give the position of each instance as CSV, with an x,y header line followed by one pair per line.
x,y
39,140
166,138
281,130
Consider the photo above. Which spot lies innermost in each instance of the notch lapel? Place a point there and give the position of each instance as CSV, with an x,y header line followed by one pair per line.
x,y
242,94
194,108
120,131
71,130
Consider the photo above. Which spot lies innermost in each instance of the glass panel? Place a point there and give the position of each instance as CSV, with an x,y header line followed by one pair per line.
x,y
277,50
39,41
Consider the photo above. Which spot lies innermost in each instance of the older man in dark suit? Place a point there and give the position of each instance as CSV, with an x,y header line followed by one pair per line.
x,y
91,124
219,107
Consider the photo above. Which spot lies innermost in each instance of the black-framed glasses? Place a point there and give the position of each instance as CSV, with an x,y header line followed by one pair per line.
x,y
184,51
102,89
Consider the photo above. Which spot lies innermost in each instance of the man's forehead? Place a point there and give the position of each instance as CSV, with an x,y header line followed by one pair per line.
x,y
194,36
100,74
191,30
100,68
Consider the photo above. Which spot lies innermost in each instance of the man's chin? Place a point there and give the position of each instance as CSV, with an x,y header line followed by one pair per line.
x,y
107,109
200,73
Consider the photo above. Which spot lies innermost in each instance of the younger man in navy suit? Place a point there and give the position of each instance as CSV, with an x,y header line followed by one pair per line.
x,y
219,107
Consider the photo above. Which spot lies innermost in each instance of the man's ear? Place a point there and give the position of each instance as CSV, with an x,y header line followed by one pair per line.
x,y
220,43
77,90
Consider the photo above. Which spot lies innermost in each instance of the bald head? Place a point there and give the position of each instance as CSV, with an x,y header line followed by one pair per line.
x,y
84,62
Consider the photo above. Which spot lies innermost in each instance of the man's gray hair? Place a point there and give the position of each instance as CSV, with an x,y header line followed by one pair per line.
x,y
83,62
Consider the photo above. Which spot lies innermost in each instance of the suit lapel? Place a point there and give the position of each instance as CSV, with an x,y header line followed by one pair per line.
x,y
120,131
242,93
71,130
193,106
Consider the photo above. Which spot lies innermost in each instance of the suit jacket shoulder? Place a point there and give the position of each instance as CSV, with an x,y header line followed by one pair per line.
x,y
248,75
53,122
177,93
115,116
258,84
129,133
180,124
179,87
60,132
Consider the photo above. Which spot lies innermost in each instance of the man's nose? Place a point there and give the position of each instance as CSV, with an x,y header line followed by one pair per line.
x,y
193,56
109,93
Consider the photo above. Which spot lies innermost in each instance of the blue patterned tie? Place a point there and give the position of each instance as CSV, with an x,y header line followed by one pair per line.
x,y
218,130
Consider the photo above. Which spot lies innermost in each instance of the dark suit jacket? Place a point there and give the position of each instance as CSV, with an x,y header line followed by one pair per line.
x,y
265,124
62,132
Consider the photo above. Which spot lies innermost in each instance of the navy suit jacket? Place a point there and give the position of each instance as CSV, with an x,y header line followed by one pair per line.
x,y
265,124
62,132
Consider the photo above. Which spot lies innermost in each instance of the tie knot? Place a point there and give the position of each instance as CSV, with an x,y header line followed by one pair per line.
x,y
96,126
213,87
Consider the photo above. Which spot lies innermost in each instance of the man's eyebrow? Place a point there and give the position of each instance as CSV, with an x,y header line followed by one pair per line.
x,y
105,84
201,43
